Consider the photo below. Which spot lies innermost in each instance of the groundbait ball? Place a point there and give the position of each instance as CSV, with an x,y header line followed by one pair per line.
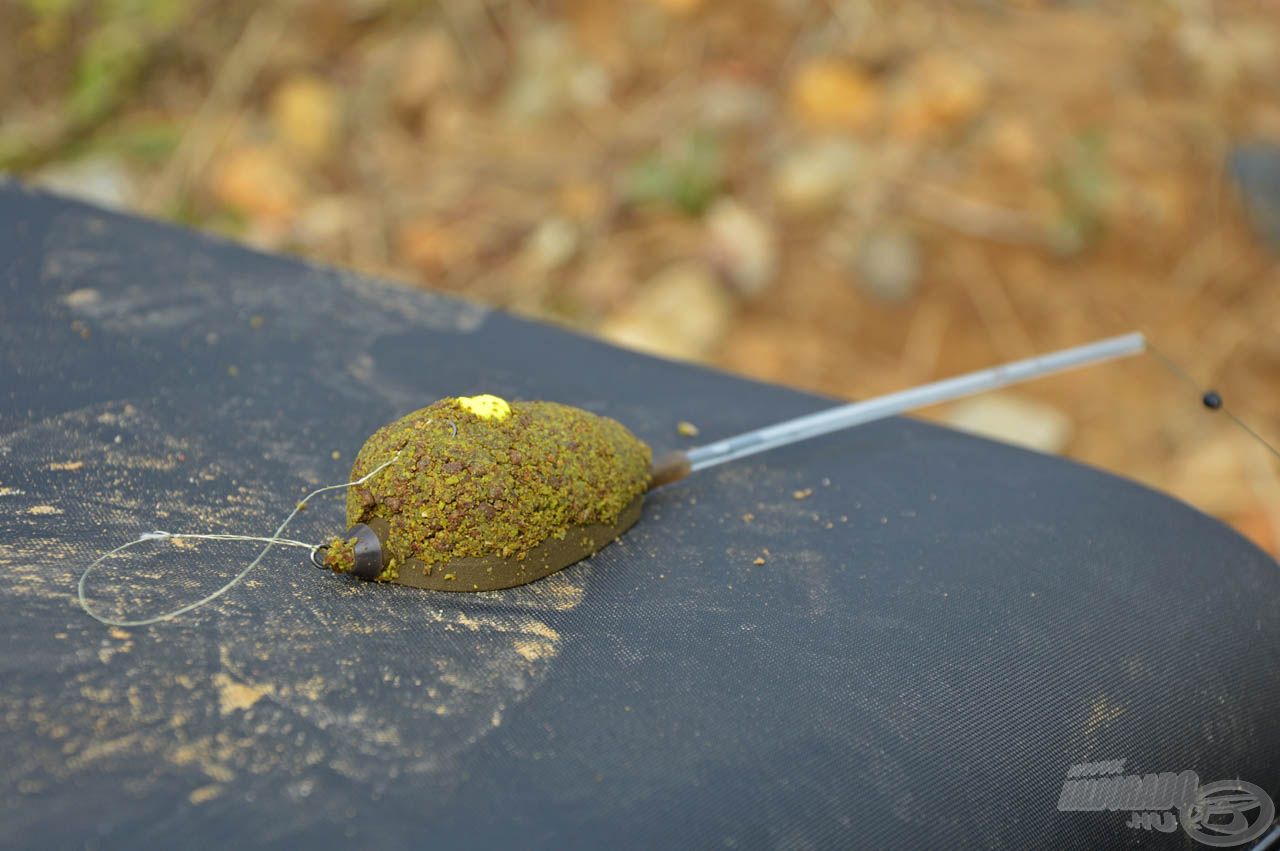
x,y
486,494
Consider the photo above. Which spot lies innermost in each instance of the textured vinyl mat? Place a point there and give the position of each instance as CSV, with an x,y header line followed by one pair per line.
x,y
938,633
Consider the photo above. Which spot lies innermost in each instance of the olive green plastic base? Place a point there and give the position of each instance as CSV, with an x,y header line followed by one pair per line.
x,y
493,573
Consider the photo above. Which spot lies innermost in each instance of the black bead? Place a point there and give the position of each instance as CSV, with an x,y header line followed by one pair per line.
x,y
1212,400
370,556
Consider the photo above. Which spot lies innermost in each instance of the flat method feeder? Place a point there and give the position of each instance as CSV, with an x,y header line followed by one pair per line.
x,y
478,494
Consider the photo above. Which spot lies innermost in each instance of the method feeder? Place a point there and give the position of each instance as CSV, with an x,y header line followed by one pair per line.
x,y
527,517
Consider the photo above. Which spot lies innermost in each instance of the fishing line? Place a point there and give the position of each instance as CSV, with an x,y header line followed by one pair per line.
x,y
160,535
1211,399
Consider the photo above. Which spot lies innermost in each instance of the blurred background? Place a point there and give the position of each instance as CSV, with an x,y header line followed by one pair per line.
x,y
845,196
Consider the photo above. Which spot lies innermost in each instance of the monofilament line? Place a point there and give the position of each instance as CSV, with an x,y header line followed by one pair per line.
x,y
274,540
1212,399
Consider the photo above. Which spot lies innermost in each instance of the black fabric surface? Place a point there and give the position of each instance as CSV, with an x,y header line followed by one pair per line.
x,y
938,633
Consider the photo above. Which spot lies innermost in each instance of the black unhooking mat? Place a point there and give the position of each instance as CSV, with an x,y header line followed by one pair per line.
x,y
938,633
